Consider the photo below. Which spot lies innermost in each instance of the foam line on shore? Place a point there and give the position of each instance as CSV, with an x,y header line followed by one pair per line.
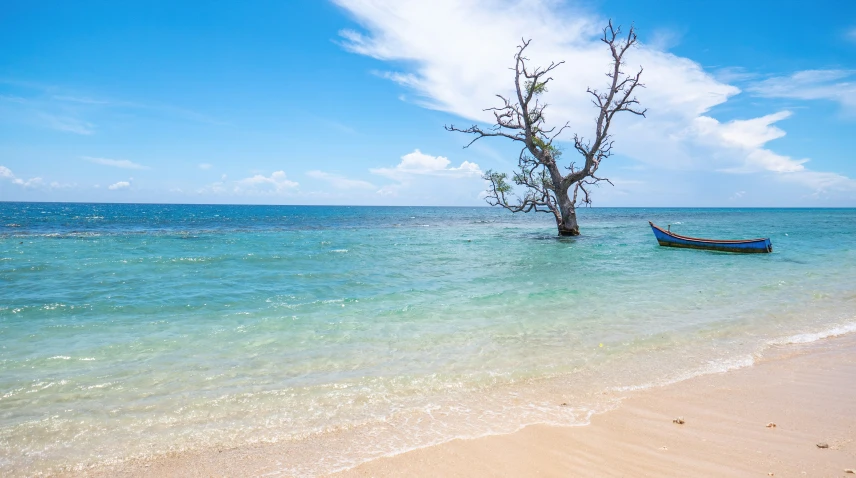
x,y
737,363
836,331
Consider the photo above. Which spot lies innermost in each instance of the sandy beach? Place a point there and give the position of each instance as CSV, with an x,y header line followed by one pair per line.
x,y
767,420
791,414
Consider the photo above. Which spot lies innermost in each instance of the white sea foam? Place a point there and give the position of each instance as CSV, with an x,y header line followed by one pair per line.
x,y
100,385
814,337
720,366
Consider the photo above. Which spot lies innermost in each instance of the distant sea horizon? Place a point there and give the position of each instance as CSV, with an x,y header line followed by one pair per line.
x,y
134,330
594,206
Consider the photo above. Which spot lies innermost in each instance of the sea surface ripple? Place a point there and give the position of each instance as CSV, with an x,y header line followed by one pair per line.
x,y
131,331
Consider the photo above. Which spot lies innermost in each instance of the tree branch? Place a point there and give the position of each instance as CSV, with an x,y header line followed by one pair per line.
x,y
521,119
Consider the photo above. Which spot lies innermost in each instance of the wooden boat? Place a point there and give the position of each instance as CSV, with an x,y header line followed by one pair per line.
x,y
670,239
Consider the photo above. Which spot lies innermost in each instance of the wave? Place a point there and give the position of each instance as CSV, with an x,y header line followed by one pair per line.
x,y
743,361
814,337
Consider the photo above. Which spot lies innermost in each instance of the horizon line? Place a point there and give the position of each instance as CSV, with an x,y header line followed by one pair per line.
x,y
424,206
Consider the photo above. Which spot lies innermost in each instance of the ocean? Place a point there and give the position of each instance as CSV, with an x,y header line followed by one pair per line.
x,y
343,334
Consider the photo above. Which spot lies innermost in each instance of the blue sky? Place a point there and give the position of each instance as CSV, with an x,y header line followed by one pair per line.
x,y
344,102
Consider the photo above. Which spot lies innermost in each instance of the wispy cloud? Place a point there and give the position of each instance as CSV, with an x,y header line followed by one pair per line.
x,y
13,99
116,163
83,100
851,34
68,124
340,182
119,185
832,85
61,109
337,126
204,166
165,109
33,104
732,74
664,38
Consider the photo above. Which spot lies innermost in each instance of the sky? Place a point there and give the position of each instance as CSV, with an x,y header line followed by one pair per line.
x,y
750,104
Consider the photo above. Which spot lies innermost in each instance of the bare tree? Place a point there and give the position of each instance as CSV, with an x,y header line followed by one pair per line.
x,y
522,119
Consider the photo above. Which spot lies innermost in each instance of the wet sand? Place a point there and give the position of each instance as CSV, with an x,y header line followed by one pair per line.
x,y
807,391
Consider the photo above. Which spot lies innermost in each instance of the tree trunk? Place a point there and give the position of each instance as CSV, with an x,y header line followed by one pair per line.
x,y
568,225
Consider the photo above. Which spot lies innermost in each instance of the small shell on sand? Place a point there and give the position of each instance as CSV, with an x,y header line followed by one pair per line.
x,y
771,425
823,445
679,420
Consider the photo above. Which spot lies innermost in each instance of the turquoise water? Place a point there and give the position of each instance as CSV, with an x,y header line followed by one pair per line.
x,y
348,333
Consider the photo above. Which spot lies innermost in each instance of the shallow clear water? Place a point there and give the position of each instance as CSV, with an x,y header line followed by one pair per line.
x,y
354,332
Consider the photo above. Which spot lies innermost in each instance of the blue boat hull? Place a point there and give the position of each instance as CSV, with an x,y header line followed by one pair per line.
x,y
669,239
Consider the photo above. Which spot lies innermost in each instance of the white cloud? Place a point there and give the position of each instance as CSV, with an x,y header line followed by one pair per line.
x,y
819,182
204,166
457,55
745,139
29,183
257,185
58,185
737,146
418,170
832,85
6,173
463,50
218,187
419,163
755,132
116,163
340,182
276,182
119,185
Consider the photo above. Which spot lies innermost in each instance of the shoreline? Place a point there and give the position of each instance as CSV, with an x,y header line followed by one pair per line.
x,y
806,389
767,419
